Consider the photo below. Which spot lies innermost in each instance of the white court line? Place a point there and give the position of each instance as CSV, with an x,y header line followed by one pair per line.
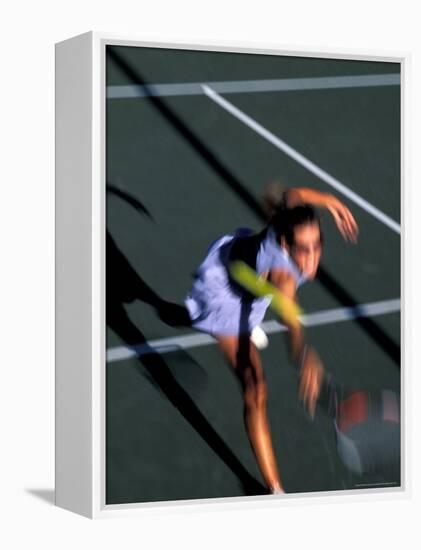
x,y
254,86
166,345
301,159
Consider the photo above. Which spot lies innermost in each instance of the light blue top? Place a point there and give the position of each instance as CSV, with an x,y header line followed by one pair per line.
x,y
214,305
272,256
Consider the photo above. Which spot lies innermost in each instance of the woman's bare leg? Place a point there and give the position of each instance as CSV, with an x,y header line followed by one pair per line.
x,y
244,357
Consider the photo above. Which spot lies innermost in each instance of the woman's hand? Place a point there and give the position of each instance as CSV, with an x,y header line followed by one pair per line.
x,y
311,377
344,220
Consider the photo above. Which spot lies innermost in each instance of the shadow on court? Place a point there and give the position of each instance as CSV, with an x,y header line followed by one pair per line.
x,y
123,286
123,283
126,197
372,329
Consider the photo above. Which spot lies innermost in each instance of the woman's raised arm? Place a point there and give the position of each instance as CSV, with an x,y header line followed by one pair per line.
x,y
344,220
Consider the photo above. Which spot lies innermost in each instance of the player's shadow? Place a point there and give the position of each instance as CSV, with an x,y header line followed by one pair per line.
x,y
125,285
118,191
383,340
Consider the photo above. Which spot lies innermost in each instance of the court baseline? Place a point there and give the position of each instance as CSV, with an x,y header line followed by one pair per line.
x,y
253,86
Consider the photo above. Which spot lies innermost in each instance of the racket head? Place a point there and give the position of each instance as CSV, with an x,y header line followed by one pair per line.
x,y
367,426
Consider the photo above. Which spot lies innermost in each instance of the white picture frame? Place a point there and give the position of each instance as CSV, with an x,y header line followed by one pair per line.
x,y
80,276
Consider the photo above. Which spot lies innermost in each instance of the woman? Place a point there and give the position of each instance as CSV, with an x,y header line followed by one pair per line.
x,y
287,253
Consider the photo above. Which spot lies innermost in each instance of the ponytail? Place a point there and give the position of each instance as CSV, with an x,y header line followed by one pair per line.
x,y
273,198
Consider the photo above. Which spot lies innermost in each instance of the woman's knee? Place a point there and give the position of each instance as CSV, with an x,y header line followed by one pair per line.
x,y
255,394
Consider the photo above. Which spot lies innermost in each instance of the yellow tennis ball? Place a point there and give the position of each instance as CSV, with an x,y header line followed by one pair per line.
x,y
259,287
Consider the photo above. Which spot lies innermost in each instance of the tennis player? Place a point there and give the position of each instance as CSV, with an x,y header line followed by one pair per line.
x,y
286,253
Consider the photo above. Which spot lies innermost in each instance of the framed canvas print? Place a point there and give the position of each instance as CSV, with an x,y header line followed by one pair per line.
x,y
228,274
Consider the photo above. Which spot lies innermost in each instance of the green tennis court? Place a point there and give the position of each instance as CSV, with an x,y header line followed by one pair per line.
x,y
184,167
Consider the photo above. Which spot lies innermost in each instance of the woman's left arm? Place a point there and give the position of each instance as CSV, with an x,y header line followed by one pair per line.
x,y
305,358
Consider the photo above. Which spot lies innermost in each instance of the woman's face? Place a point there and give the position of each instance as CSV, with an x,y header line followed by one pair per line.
x,y
307,248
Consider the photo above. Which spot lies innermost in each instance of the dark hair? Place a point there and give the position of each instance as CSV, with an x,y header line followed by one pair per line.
x,y
285,220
